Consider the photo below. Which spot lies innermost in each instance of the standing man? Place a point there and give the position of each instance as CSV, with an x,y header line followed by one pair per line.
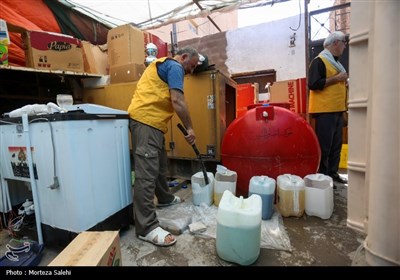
x,y
328,97
158,94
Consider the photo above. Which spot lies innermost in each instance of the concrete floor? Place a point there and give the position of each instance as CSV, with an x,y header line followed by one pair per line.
x,y
311,242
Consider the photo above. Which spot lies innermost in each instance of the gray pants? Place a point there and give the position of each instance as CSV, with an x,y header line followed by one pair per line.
x,y
150,166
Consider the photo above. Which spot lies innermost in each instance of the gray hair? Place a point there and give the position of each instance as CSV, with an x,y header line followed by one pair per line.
x,y
333,37
189,50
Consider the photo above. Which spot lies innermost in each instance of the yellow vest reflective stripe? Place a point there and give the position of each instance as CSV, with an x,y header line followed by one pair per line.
x,y
332,98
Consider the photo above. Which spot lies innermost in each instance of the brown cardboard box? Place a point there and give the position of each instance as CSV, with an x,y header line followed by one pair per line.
x,y
95,58
119,96
53,51
94,96
125,45
126,73
292,91
91,248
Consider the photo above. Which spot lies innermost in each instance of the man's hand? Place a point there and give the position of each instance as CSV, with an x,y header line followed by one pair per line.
x,y
190,137
342,77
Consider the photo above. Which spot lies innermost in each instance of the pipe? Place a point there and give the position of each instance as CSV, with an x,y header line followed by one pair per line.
x,y
209,18
203,168
38,218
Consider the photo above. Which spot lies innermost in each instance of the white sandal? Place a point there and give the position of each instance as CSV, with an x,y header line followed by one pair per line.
x,y
157,237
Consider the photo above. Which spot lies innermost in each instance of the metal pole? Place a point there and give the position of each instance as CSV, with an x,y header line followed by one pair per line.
x,y
209,18
38,218
307,51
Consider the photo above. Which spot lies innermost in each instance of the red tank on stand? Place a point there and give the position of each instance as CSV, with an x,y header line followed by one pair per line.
x,y
269,140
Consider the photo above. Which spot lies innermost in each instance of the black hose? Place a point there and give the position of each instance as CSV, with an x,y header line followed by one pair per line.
x,y
180,126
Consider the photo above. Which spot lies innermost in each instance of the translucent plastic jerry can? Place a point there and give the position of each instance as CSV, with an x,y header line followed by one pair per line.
x,y
225,179
264,186
291,195
239,228
201,192
318,195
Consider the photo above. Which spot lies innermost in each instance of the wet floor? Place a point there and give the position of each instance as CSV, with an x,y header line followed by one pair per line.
x,y
304,241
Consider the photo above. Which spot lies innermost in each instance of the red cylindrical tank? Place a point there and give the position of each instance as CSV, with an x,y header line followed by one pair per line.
x,y
269,140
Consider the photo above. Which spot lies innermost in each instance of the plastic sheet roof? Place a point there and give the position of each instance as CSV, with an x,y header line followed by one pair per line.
x,y
149,14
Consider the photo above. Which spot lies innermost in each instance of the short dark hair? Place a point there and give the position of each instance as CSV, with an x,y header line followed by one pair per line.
x,y
189,50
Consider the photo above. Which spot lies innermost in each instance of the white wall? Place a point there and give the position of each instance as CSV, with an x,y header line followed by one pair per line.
x,y
266,46
198,27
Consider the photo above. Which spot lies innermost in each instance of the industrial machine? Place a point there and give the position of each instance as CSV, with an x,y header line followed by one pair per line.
x,y
81,167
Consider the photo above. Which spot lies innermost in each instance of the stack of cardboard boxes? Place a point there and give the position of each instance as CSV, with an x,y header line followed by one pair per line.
x,y
291,91
126,54
122,58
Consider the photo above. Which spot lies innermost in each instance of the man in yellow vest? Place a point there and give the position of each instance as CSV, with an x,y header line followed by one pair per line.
x,y
327,101
158,94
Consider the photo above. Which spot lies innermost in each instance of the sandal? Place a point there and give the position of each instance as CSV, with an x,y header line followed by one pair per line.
x,y
176,200
157,237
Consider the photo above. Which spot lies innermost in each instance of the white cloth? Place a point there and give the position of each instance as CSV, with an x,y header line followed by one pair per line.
x,y
35,109
328,55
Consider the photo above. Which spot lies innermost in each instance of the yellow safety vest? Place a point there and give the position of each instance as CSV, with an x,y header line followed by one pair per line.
x,y
151,103
332,98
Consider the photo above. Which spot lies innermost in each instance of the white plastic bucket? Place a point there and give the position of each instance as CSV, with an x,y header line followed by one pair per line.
x,y
318,195
201,192
239,228
291,195
264,186
225,179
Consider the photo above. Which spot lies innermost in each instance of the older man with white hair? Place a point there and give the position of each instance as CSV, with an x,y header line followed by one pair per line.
x,y
327,101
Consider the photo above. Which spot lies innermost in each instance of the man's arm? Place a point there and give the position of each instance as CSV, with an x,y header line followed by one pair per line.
x,y
317,76
340,77
181,109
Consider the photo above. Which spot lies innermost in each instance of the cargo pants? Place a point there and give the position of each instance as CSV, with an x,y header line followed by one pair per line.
x,y
150,166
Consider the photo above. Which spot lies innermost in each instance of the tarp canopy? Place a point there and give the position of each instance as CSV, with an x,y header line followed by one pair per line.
x,y
90,20
50,16
150,14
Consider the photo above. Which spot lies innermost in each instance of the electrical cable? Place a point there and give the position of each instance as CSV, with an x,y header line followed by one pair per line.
x,y
16,223
297,28
358,251
56,182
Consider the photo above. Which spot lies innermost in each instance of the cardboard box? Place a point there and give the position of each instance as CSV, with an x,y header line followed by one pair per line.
x,y
91,248
126,73
125,45
95,58
96,82
53,51
94,96
119,96
292,91
246,94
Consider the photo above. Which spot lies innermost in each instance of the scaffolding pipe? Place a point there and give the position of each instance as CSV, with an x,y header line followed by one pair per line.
x,y
38,218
